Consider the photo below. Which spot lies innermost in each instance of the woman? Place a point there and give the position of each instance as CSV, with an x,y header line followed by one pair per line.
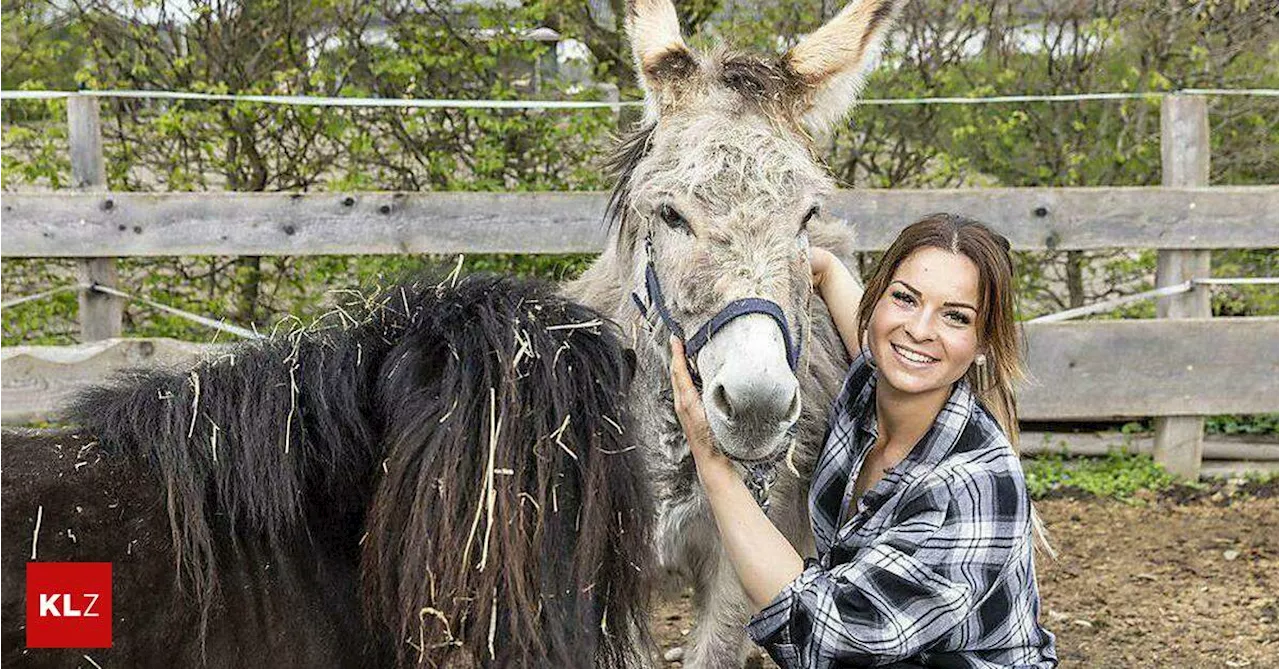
x,y
922,519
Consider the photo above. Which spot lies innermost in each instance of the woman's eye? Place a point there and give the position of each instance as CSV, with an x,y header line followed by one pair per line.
x,y
959,317
673,219
904,297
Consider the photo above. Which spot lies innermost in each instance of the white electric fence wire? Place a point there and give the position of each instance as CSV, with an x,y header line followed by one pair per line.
x,y
330,101
1185,286
1051,317
48,293
324,101
1241,282
203,320
1108,305
1069,314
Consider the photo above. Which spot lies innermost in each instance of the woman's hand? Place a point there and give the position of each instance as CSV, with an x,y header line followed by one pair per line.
x,y
693,416
820,262
763,559
834,283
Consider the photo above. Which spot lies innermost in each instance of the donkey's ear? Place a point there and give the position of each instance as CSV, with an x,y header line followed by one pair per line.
x,y
663,60
832,61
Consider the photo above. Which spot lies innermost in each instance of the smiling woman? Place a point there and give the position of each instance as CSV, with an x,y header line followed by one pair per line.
x,y
922,328
967,268
918,503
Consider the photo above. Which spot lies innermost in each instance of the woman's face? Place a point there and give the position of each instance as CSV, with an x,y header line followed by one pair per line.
x,y
924,329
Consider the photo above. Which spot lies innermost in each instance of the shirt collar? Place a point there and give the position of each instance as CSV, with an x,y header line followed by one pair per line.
x,y
938,440
868,424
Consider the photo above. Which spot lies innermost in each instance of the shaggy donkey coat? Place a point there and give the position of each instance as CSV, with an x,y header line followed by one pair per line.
x,y
719,190
449,477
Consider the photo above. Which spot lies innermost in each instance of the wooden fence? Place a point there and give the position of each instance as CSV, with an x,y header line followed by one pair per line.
x,y
1178,368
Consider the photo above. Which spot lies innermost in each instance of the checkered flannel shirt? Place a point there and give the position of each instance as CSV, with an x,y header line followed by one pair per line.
x,y
932,567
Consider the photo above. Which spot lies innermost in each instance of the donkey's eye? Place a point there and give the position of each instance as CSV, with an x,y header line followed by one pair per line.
x,y
813,212
673,219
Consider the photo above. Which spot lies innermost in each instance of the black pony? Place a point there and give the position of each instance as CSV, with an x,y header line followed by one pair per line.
x,y
446,479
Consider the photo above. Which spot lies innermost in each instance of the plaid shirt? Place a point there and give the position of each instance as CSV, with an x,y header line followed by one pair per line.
x,y
932,567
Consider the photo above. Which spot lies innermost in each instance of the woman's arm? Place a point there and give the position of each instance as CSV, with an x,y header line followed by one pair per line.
x,y
957,553
764,560
835,284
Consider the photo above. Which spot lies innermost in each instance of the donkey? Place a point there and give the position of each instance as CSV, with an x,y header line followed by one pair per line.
x,y
718,197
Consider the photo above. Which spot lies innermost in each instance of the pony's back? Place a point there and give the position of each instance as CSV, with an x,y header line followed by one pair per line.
x,y
444,476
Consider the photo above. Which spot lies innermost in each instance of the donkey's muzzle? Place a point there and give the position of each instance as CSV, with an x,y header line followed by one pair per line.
x,y
751,396
769,401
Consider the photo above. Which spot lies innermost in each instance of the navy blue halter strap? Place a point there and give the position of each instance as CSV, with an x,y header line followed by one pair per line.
x,y
731,311
760,475
736,308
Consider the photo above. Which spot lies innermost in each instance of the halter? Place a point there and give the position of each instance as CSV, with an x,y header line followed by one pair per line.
x,y
760,475
734,310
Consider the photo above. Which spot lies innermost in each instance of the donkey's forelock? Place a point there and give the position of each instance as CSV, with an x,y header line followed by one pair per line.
x,y
729,81
763,83
768,82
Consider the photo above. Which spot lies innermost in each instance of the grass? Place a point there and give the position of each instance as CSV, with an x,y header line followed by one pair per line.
x,y
1257,424
1117,475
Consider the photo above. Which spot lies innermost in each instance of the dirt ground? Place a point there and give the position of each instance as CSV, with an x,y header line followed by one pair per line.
x,y
1183,579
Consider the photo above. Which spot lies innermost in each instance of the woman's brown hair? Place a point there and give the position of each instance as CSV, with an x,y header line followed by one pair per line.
x,y
997,331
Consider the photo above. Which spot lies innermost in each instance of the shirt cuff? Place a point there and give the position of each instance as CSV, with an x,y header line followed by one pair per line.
x,y
770,625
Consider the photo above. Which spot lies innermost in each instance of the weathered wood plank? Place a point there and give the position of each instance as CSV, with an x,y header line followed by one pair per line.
x,y
1100,443
1174,267
1079,219
314,224
1179,446
35,380
101,316
141,224
1235,468
1184,162
1090,370
1130,368
84,134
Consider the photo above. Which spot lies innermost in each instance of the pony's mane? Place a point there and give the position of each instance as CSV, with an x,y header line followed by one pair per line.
x,y
275,441
543,528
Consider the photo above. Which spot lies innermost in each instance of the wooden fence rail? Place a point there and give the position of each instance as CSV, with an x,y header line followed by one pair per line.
x,y
1091,371
1178,368
165,224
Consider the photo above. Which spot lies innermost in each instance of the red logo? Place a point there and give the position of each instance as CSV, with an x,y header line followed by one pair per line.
x,y
68,605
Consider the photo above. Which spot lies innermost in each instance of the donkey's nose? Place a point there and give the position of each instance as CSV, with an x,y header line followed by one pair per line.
x,y
751,395
761,401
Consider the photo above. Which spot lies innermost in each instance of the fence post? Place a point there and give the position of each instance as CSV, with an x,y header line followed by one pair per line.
x,y
101,315
1184,161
